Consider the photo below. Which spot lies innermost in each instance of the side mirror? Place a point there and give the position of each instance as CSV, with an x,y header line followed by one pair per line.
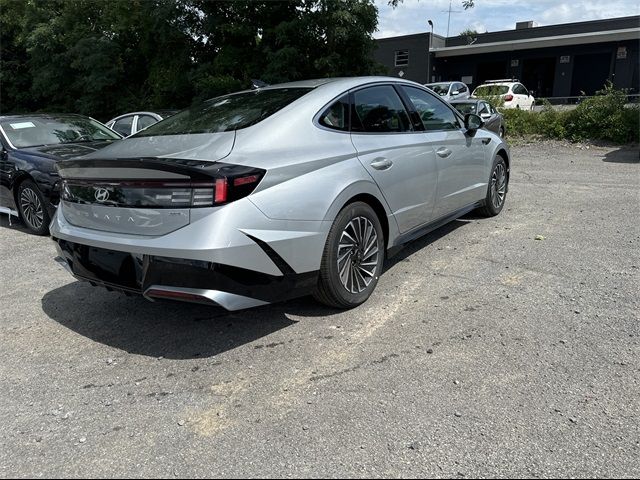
x,y
473,122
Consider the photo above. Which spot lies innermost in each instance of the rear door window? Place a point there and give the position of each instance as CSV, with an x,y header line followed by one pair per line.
x,y
519,89
379,110
145,121
123,126
435,115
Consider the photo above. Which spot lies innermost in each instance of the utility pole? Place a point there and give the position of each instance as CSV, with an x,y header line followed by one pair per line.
x,y
429,68
450,12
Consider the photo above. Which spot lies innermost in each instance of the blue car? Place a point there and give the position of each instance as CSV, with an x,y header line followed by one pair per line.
x,y
31,146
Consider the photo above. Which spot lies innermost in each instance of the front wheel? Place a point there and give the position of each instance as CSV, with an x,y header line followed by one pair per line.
x,y
497,188
352,258
32,207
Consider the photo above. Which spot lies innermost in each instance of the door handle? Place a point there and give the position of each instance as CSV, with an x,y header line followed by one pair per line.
x,y
381,164
443,152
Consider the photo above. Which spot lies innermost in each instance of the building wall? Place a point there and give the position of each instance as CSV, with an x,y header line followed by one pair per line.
x,y
552,72
418,46
594,64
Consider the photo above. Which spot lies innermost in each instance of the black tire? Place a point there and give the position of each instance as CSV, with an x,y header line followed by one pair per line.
x,y
491,207
32,207
330,289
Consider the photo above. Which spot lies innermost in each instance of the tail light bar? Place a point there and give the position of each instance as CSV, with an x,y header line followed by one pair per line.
x,y
234,185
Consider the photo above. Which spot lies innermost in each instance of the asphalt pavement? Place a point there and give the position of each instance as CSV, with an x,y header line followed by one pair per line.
x,y
502,347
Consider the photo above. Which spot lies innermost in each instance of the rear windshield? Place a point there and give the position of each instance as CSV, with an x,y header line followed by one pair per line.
x,y
465,108
440,88
227,113
489,90
27,131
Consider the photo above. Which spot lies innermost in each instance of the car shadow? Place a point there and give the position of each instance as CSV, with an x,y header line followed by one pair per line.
x,y
623,155
422,242
183,331
13,223
167,329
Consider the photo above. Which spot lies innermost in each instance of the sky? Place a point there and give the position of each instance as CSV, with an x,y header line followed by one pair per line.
x,y
492,15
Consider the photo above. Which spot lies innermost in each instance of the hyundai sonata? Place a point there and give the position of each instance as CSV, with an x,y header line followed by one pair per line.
x,y
275,193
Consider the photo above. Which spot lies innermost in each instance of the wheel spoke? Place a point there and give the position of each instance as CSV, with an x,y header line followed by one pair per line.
x,y
365,271
372,253
344,272
346,234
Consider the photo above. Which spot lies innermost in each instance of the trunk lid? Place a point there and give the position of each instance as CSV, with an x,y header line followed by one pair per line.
x,y
147,195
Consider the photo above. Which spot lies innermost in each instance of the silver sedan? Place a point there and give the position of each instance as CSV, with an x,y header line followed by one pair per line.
x,y
264,195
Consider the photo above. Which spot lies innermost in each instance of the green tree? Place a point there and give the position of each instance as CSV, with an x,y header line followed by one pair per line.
x,y
105,58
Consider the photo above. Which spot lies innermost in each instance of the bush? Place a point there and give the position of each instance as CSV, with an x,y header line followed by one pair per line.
x,y
602,117
605,117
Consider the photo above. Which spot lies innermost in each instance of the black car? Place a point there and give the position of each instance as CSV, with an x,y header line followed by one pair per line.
x,y
493,120
31,146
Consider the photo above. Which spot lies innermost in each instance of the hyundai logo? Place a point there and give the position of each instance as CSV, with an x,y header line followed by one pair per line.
x,y
102,194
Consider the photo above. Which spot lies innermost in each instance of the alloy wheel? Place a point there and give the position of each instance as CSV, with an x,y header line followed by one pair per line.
x,y
498,185
32,209
358,254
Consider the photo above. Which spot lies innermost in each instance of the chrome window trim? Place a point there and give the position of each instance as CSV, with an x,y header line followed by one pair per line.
x,y
316,117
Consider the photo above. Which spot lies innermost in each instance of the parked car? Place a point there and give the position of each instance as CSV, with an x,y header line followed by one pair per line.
x,y
131,123
278,192
31,146
514,94
493,120
450,90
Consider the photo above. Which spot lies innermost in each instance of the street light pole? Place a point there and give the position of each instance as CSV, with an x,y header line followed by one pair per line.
x,y
429,53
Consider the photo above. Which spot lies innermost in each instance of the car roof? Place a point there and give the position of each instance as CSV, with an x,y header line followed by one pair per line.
x,y
42,115
339,82
499,84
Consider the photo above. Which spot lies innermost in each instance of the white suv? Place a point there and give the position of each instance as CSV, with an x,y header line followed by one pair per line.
x,y
514,94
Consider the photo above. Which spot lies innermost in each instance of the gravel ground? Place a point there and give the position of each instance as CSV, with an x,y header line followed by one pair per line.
x,y
483,352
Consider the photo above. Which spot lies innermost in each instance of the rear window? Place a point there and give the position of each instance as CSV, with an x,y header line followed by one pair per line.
x,y
465,108
490,90
227,113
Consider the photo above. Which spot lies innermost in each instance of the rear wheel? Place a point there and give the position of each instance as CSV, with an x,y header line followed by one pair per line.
x,y
352,258
497,189
32,207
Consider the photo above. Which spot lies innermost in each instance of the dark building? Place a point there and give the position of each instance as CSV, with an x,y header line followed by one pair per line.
x,y
558,61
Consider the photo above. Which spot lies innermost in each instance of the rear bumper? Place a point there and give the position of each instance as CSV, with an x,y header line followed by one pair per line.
x,y
230,235
230,287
